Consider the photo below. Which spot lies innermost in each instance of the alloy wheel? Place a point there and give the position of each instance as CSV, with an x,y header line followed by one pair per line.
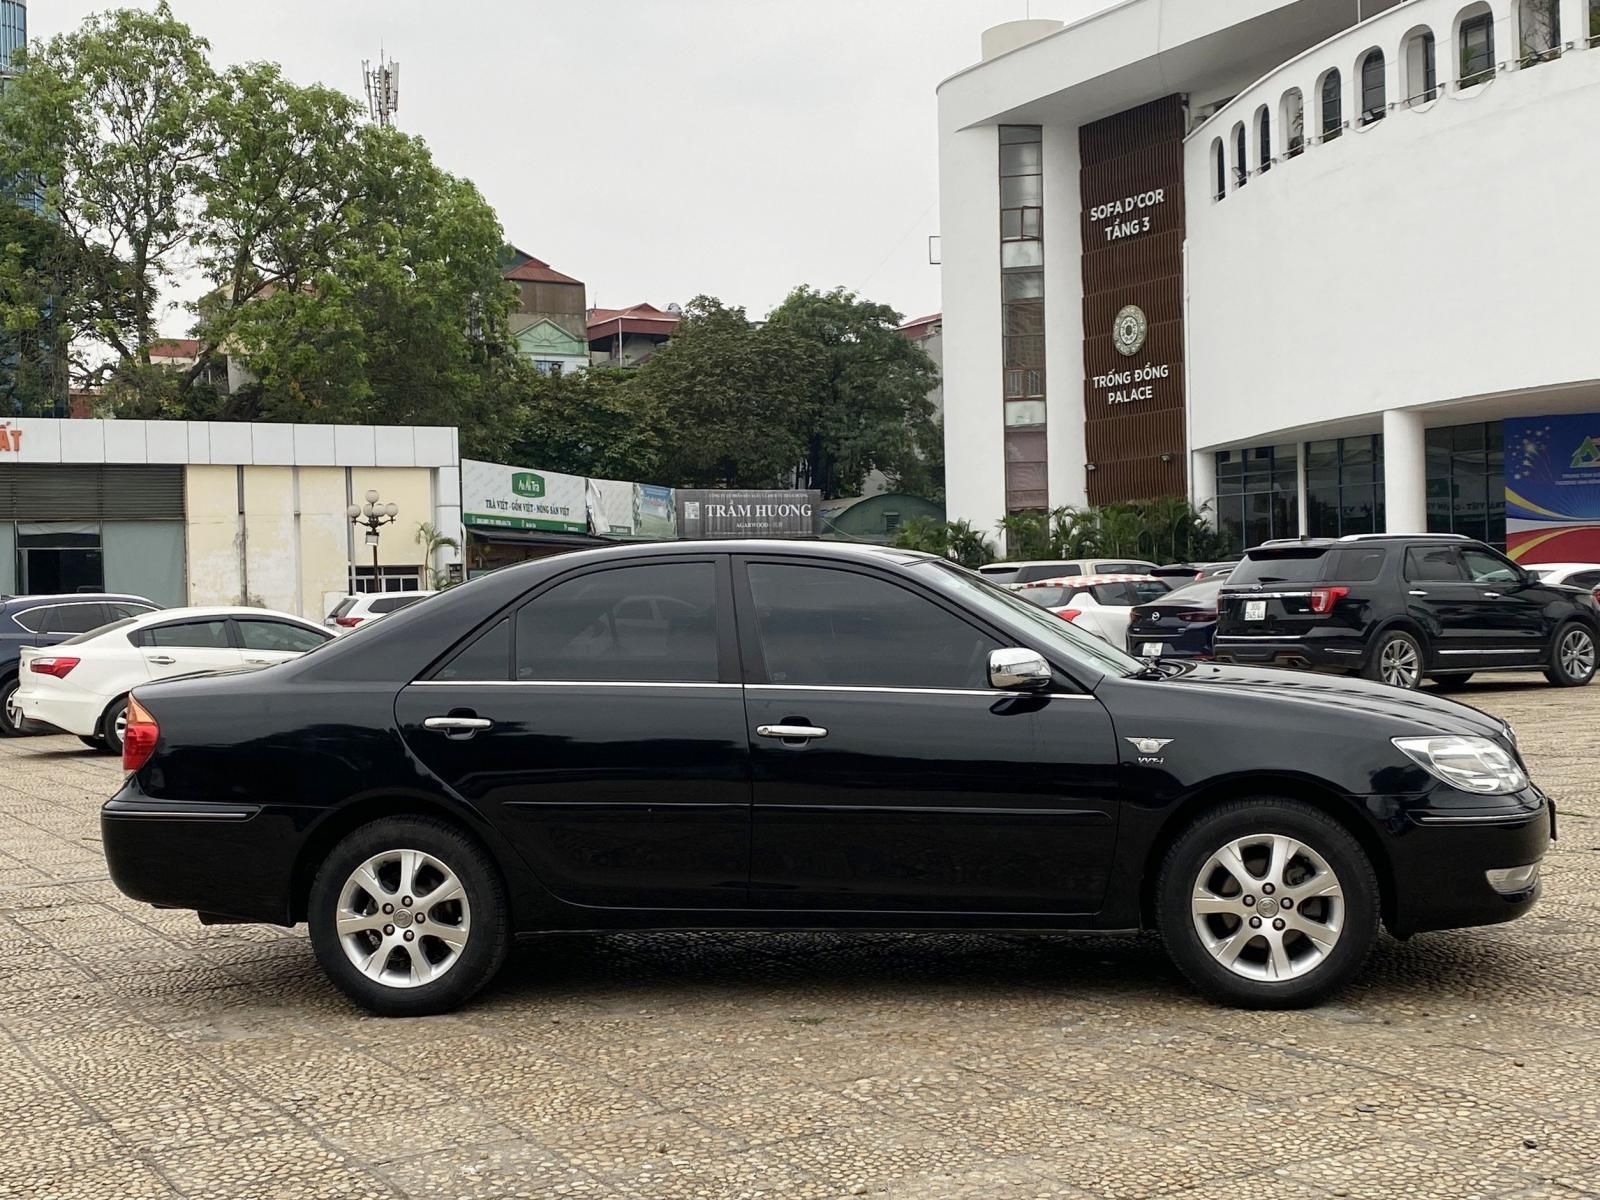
x,y
1268,907
403,919
1397,663
14,716
1577,654
121,726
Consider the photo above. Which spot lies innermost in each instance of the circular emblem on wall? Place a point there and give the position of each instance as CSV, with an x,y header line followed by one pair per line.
x,y
1129,329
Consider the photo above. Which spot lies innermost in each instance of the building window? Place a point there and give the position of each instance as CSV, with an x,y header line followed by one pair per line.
x,y
1538,31
1219,170
1294,123
1344,486
59,557
1477,50
1422,68
1467,482
1264,138
1258,495
1594,22
547,366
1022,313
1241,160
1332,106
1374,88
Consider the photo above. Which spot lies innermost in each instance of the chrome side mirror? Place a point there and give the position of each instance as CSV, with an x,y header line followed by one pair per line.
x,y
1016,669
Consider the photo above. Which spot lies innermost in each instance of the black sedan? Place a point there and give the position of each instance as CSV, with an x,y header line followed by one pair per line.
x,y
781,735
1178,625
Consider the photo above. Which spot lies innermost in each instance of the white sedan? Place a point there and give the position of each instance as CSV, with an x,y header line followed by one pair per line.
x,y
1101,604
81,685
1584,575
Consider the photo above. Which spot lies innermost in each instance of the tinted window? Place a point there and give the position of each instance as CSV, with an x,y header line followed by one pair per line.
x,y
1146,590
94,633
1204,594
35,620
1359,563
344,606
1484,567
1123,568
189,633
125,608
389,604
1268,567
487,657
828,627
593,627
77,618
1114,594
999,574
1048,597
279,635
1046,571
1433,563
1586,579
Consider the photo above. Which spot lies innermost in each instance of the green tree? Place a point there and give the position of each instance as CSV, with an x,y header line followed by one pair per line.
x,y
956,540
868,408
592,422
731,398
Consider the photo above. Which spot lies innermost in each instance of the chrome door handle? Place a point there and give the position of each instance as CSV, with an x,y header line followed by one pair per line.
x,y
1416,592
799,733
1494,595
162,660
457,724
259,662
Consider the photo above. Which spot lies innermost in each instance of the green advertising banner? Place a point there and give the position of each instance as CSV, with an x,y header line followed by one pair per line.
x,y
496,496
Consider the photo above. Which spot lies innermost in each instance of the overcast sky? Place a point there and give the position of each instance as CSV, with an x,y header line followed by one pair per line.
x,y
656,149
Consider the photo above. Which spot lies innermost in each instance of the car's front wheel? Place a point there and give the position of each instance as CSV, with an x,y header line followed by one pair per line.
x,y
1267,903
1572,656
1396,660
408,916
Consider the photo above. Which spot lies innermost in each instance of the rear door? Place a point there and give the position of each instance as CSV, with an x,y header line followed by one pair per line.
x,y
601,725
1454,611
890,776
184,647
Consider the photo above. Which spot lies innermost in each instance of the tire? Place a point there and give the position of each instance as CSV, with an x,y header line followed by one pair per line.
x,y
94,743
1451,683
10,719
112,723
392,987
1572,655
1305,970
1396,660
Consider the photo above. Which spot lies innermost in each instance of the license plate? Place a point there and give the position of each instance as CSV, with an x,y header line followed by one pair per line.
x,y
1150,650
1255,610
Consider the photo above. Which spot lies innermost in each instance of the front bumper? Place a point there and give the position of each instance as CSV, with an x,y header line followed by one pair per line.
x,y
224,859
1443,848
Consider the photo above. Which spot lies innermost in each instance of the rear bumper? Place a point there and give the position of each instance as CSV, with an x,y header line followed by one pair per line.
x,y
73,714
230,860
1443,850
1339,652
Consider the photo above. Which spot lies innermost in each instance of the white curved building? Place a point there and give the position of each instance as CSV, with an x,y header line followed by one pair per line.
x,y
1312,262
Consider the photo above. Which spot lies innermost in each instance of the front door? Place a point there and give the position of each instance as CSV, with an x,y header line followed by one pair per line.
x,y
601,725
1514,611
266,642
889,775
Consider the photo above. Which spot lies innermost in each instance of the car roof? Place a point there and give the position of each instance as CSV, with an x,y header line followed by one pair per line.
x,y
199,612
1090,580
74,598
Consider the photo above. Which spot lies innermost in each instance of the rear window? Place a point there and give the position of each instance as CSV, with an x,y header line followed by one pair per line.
x,y
1123,568
1359,563
389,604
1298,565
1197,593
343,606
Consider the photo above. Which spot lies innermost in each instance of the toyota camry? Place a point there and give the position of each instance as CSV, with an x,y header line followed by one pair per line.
x,y
803,736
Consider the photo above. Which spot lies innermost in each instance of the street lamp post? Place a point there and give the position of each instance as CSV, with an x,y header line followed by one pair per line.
x,y
374,515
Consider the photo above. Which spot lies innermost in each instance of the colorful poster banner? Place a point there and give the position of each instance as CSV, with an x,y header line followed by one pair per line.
x,y
1553,488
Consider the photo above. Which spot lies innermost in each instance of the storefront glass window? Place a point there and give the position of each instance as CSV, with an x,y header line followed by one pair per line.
x,y
1467,482
1344,486
1257,494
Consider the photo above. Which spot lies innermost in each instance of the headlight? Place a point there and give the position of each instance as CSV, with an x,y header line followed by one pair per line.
x,y
1473,764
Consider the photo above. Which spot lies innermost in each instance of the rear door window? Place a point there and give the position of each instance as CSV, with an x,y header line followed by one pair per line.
x,y
77,618
1294,566
485,659
1359,564
593,628
1433,564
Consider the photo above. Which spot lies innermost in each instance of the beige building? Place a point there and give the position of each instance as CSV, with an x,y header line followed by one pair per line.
x,y
222,513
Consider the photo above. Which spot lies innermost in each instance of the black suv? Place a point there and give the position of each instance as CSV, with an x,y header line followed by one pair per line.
x,y
46,621
1402,608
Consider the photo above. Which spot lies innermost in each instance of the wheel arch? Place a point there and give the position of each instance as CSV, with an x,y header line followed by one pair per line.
x,y
1267,785
323,836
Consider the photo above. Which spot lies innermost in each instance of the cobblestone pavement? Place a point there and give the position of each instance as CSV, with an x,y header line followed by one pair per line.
x,y
143,1055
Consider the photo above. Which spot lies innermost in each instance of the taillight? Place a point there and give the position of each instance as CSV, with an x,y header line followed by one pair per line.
x,y
57,665
1323,599
139,738
1205,614
1069,614
347,622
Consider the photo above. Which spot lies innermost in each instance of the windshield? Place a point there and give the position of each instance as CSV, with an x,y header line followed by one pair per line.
x,y
1058,637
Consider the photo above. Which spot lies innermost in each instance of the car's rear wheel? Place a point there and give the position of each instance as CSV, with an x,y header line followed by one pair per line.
x,y
408,916
1572,656
1396,660
113,725
1451,683
11,719
1267,903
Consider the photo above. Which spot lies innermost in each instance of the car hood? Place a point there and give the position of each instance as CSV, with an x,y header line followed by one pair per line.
x,y
1425,712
